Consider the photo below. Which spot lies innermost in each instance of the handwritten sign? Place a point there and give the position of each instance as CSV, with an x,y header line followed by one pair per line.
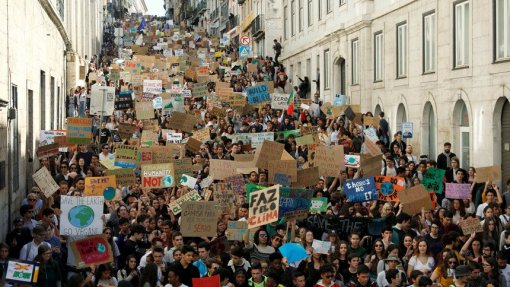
x,y
152,86
280,101
182,121
198,219
294,203
258,94
414,199
236,230
352,160
288,167
81,215
176,205
264,206
225,198
458,190
158,175
101,186
237,183
144,110
45,181
307,176
488,173
268,151
123,176
433,179
126,156
79,130
321,247
330,160
360,190
22,272
470,225
319,204
93,250
388,187
282,179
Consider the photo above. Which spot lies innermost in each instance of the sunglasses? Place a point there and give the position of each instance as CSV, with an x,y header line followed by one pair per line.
x,y
263,235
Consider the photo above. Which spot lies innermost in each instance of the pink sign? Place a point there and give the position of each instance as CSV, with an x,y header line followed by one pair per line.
x,y
458,190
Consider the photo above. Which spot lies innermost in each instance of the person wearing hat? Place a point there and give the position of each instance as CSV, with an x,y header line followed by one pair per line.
x,y
30,250
462,274
392,262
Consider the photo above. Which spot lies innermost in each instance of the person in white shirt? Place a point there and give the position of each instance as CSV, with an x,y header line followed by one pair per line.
x,y
389,169
409,154
29,251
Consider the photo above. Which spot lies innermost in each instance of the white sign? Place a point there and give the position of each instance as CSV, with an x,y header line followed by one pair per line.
x,y
407,130
167,52
188,181
245,40
81,215
157,103
45,181
371,133
102,100
153,86
48,137
321,247
279,101
174,137
179,52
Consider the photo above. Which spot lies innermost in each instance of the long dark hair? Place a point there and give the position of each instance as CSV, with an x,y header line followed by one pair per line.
x,y
149,275
100,270
43,248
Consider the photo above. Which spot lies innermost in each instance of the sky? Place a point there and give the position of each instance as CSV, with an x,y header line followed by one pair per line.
x,y
155,7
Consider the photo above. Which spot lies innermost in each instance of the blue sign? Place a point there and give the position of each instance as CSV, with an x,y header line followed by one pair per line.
x,y
294,201
360,190
245,51
258,94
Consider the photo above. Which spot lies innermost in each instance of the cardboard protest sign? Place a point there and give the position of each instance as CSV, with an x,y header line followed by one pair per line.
x,y
371,134
236,230
288,167
307,176
188,181
126,156
176,205
81,215
488,173
470,225
282,179
126,130
48,150
360,190
21,272
264,206
372,148
225,198
388,187
307,139
414,199
257,94
221,169
280,101
458,191
123,176
144,110
321,247
182,121
371,165
93,250
319,204
352,160
158,175
372,121
152,86
201,134
102,100
268,151
193,145
433,179
79,130
330,160
101,186
200,90
237,183
213,281
294,203
198,219
45,181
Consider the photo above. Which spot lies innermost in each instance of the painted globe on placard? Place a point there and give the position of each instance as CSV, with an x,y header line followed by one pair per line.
x,y
81,216
168,181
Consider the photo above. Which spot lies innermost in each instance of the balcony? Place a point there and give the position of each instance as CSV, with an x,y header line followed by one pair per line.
x,y
200,8
215,14
257,26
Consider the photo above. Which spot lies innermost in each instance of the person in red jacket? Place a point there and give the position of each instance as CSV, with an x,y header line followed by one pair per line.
x,y
327,277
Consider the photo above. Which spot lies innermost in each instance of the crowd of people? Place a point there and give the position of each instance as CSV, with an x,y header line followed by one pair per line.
x,y
425,249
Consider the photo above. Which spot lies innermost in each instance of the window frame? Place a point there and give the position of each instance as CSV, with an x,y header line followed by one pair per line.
x,y
327,70
468,52
301,15
292,18
329,6
310,12
355,62
285,19
381,64
434,45
319,10
497,58
341,3
399,73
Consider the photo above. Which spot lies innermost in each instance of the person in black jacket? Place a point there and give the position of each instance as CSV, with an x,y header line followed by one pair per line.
x,y
185,266
444,159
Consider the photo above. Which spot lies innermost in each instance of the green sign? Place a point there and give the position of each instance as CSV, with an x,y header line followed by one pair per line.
x,y
433,179
319,204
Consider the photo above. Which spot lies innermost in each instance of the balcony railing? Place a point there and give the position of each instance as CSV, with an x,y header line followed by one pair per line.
x,y
257,26
215,14
201,7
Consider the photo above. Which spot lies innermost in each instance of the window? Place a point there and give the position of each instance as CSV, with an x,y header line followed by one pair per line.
x,y
461,34
301,15
429,43
329,6
342,2
502,22
310,12
52,98
319,10
42,93
292,17
378,57
354,58
15,143
285,20
326,69
401,50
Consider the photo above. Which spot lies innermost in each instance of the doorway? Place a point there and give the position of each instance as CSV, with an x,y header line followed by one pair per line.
x,y
428,129
339,76
505,141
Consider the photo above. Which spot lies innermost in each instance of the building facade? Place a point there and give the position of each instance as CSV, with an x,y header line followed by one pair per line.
x,y
42,47
442,65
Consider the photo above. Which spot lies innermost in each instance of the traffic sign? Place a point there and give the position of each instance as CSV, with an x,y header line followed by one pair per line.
x,y
244,51
245,40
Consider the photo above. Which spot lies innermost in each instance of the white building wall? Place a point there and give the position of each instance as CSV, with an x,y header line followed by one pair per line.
x,y
480,85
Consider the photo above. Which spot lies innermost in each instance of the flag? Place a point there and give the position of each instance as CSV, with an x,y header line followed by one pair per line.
x,y
290,103
142,25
